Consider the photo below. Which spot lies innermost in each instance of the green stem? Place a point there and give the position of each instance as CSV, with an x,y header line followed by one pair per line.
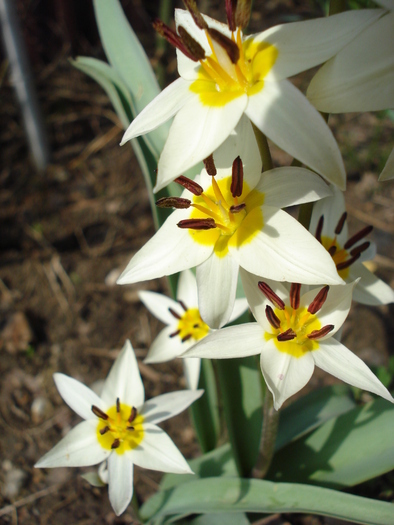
x,y
268,437
264,149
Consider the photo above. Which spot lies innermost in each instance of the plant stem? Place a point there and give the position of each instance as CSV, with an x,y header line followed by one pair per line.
x,y
264,149
268,437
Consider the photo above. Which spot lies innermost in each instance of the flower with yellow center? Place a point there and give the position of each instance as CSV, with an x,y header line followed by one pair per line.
x,y
234,219
119,428
224,74
329,225
293,333
185,326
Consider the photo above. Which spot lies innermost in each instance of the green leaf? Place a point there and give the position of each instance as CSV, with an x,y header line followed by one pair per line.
x,y
240,383
215,495
311,411
217,519
344,451
205,411
128,58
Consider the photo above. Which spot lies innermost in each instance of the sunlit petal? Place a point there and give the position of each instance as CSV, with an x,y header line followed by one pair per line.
x,y
370,290
77,396
159,305
120,479
168,405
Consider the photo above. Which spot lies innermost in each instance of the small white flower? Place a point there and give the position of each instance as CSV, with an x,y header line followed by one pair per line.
x,y
184,325
329,225
120,428
293,333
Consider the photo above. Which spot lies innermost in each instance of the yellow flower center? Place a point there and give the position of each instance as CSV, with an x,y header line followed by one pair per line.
x,y
302,323
191,326
233,228
340,255
120,431
220,81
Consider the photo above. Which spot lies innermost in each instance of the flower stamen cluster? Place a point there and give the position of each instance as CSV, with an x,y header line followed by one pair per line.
x,y
190,324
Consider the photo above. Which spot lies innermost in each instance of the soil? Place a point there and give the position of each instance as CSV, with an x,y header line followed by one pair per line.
x,y
68,232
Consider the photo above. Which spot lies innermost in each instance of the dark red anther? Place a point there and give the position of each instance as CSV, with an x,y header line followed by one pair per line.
x,y
115,443
104,430
271,295
172,37
357,237
196,325
99,413
319,228
196,15
182,304
231,5
133,414
117,405
349,262
174,313
237,178
319,300
190,185
273,319
173,202
130,428
360,248
332,249
341,223
237,209
242,13
318,334
197,224
295,295
174,334
194,48
287,336
209,165
226,43
186,338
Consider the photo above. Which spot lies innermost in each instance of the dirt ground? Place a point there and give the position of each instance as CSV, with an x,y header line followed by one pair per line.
x,y
67,233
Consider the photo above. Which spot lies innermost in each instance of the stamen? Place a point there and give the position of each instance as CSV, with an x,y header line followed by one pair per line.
x,y
117,405
172,37
197,224
319,300
341,223
287,336
189,184
358,236
273,319
129,428
226,43
196,325
104,430
231,6
99,413
173,202
116,443
271,295
133,415
319,228
194,48
174,334
210,166
360,249
295,295
174,313
182,304
332,249
318,334
349,262
196,15
186,338
237,209
237,178
242,13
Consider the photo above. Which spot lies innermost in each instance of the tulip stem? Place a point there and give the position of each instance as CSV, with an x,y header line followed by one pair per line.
x,y
264,149
268,436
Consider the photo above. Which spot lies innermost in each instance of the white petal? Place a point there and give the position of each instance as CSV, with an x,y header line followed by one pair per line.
x,y
187,289
158,452
169,251
161,109
332,209
191,369
168,405
334,358
388,170
370,290
284,114
196,132
164,348
80,448
290,186
234,341
285,375
306,44
159,305
285,251
240,307
120,481
361,76
124,380
77,396
217,285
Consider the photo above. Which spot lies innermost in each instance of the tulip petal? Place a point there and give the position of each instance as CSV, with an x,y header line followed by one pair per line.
x,y
283,113
159,305
168,405
370,290
120,481
187,289
158,452
77,396
284,374
80,448
217,286
124,380
388,170
331,208
240,307
334,358
191,369
164,348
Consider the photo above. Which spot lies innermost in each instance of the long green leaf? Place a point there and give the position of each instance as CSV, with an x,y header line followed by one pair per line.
x,y
251,495
228,518
344,451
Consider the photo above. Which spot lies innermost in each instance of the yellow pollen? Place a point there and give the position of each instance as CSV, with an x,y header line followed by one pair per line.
x,y
302,323
117,424
340,255
192,326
